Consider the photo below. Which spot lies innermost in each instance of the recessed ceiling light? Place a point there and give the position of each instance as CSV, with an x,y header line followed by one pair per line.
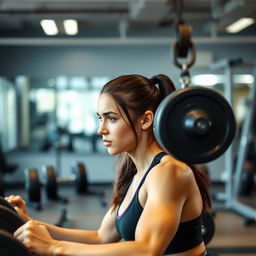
x,y
49,27
71,27
239,25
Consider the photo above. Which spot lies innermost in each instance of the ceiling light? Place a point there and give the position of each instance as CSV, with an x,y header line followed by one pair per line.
x,y
49,27
205,79
71,27
239,25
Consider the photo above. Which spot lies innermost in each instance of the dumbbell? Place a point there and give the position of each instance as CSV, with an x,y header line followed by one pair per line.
x,y
33,187
9,222
78,178
50,181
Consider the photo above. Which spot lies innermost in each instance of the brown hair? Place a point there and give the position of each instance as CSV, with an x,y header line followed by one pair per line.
x,y
135,94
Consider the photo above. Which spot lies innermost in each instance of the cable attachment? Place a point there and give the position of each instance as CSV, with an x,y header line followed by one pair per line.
x,y
185,76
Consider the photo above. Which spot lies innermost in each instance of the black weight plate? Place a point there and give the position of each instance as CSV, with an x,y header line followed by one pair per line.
x,y
80,173
9,220
208,227
5,203
175,140
32,185
9,246
51,182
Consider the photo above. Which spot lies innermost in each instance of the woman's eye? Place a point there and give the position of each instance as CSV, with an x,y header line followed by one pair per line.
x,y
112,119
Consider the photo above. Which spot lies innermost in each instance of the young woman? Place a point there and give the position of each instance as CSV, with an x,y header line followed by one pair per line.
x,y
157,200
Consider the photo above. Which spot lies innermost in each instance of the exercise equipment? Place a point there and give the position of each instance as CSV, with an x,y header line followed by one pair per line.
x,y
10,246
50,183
78,178
9,218
5,203
49,180
9,222
208,227
195,125
63,219
33,188
234,171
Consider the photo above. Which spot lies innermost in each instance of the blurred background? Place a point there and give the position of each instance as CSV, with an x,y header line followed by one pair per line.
x,y
55,56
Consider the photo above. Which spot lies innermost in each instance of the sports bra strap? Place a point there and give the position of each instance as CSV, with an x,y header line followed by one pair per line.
x,y
155,161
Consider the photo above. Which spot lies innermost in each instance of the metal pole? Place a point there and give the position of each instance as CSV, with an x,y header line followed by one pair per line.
x,y
245,134
228,157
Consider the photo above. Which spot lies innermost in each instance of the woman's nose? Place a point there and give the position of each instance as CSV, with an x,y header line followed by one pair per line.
x,y
102,129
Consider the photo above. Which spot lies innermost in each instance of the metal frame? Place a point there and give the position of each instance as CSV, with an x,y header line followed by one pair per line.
x,y
232,184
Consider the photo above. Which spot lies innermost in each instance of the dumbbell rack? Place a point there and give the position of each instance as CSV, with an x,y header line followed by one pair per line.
x,y
48,179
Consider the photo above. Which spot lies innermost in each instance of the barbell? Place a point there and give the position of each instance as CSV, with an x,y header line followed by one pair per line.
x,y
195,125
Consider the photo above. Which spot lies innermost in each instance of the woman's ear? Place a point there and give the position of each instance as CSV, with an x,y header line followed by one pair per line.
x,y
147,119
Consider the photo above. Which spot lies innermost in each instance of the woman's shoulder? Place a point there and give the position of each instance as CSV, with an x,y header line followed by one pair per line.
x,y
171,170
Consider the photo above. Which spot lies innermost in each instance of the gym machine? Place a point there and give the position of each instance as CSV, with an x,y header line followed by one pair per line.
x,y
234,172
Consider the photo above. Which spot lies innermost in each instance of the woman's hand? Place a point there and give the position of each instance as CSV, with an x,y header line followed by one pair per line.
x,y
36,238
19,205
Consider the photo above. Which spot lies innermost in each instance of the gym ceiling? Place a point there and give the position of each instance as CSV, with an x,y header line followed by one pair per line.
x,y
124,21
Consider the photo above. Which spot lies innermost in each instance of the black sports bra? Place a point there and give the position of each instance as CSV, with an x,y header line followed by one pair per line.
x,y
188,235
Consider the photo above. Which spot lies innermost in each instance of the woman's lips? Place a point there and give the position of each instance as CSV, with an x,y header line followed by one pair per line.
x,y
107,143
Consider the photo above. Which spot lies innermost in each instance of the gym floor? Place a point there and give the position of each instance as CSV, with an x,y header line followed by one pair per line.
x,y
231,237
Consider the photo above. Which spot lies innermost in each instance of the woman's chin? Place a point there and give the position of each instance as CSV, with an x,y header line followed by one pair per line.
x,y
113,152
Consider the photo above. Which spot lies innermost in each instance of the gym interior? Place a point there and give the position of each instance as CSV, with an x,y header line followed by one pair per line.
x,y
50,151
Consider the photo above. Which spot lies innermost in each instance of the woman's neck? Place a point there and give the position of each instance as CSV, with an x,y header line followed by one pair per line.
x,y
144,155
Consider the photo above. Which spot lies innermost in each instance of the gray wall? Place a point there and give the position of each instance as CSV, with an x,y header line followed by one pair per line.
x,y
46,61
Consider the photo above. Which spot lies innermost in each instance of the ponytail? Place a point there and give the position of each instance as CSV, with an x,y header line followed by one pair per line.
x,y
164,85
203,183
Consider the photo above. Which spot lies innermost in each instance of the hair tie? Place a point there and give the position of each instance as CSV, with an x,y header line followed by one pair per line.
x,y
155,80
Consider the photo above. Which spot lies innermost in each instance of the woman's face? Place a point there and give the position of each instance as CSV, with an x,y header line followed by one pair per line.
x,y
117,135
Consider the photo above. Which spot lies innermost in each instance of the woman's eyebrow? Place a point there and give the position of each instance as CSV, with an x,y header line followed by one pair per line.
x,y
107,113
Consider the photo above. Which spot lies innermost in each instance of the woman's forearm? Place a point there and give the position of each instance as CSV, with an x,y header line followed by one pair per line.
x,y
72,235
63,248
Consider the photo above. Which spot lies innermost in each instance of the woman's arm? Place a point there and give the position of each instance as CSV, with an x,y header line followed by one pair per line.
x,y
166,194
106,233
